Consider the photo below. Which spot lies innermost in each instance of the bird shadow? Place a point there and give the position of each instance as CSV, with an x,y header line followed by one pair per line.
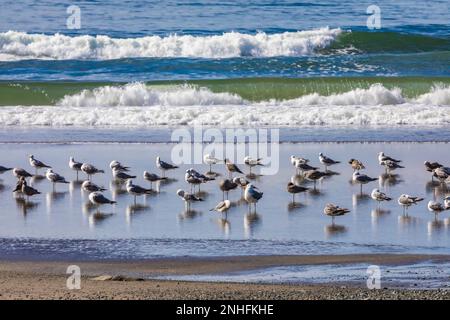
x,y
254,176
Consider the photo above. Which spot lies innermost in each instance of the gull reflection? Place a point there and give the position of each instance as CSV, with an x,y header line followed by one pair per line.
x,y
293,206
389,179
224,224
189,214
360,198
97,218
405,220
332,230
25,205
251,221
134,209
435,226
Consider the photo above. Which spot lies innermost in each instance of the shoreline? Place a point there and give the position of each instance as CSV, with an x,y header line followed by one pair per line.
x,y
22,279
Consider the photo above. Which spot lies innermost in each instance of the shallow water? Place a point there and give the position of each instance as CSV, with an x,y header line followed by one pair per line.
x,y
60,222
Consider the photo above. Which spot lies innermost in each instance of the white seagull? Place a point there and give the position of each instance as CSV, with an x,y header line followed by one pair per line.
x,y
327,161
251,195
164,166
250,162
333,211
98,199
90,170
120,175
19,172
406,201
116,164
152,177
382,157
89,186
362,179
222,206
210,160
74,165
136,190
36,164
187,198
55,178
379,196
436,207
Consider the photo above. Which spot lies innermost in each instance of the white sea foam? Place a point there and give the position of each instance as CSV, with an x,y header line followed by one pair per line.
x,y
20,45
138,105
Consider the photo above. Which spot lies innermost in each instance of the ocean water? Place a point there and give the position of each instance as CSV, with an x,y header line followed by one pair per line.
x,y
147,64
60,224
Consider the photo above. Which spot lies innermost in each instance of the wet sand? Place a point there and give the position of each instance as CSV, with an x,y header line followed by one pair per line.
x,y
127,280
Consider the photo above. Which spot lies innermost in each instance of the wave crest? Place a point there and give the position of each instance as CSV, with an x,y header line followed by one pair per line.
x,y
20,45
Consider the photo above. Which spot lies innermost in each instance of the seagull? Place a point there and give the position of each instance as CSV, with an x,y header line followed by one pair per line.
x,y
36,164
314,175
120,175
406,201
152,177
356,164
382,157
303,166
295,159
231,167
379,196
98,199
362,179
442,173
164,166
294,189
19,172
334,211
4,169
90,170
74,165
390,165
226,186
241,182
54,178
251,195
136,190
89,186
436,207
431,166
210,160
195,178
250,162
222,206
116,164
23,187
327,161
188,198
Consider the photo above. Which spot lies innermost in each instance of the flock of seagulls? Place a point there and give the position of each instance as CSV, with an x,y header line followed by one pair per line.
x,y
250,192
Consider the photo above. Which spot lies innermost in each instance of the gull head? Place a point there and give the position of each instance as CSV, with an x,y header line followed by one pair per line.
x,y
180,193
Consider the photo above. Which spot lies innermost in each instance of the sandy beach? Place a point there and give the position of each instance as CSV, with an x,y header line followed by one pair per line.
x,y
132,280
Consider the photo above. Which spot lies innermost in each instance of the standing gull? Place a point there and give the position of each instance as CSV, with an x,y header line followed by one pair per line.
x,y
120,175
436,207
210,160
36,164
241,182
252,195
19,172
250,162
333,211
406,201
23,187
356,164
164,166
294,189
187,198
382,157
152,177
447,202
442,173
379,196
231,167
89,186
136,190
390,165
54,178
304,167
327,161
90,170
116,164
98,199
362,179
226,186
74,165
314,175
431,166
